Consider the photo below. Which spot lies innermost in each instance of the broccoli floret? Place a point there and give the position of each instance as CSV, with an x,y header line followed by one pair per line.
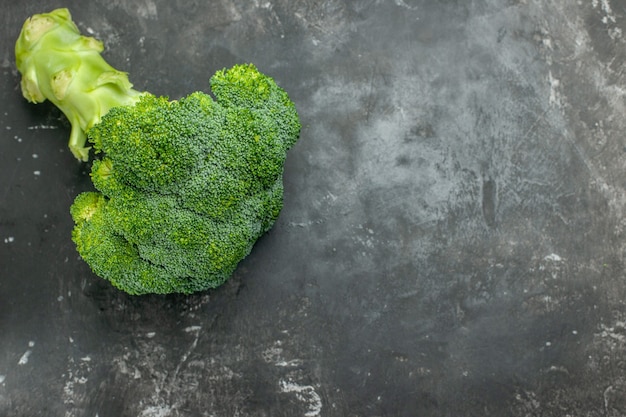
x,y
184,187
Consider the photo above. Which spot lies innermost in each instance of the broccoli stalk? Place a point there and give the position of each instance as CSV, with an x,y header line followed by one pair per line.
x,y
184,188
60,65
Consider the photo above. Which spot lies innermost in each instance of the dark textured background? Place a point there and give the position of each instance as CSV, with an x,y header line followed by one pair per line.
x,y
452,241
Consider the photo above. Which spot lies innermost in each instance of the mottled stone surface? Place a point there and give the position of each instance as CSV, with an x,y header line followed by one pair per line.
x,y
452,242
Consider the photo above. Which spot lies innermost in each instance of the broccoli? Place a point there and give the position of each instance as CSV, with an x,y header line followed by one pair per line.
x,y
183,188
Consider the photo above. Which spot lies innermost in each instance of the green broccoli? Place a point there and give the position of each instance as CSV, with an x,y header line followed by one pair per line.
x,y
184,187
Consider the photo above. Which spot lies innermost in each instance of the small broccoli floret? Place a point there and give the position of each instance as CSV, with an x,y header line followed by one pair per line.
x,y
184,187
155,144
245,86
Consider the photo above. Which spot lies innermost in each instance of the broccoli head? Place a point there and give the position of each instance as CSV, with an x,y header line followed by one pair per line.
x,y
183,188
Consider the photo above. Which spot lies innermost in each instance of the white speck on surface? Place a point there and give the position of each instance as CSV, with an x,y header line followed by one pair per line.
x,y
548,344
302,224
288,364
156,411
9,239
2,378
24,359
42,127
553,257
402,3
35,156
615,33
305,394
606,8
76,376
37,173
150,335
555,96
192,329
608,19
273,354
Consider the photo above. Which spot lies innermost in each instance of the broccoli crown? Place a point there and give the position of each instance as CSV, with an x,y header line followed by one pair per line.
x,y
184,187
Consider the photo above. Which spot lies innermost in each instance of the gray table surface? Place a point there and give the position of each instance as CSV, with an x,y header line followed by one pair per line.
x,y
452,241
